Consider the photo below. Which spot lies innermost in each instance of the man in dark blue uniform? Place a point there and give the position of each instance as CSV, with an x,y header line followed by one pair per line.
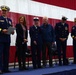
x,y
73,34
36,43
48,38
5,23
62,32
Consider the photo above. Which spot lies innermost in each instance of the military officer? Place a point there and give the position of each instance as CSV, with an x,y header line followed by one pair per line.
x,y
73,34
4,39
36,43
62,32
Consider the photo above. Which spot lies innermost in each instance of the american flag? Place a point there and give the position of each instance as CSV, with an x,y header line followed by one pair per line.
x,y
53,9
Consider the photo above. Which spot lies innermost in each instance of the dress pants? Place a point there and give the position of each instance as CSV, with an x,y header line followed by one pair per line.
x,y
36,55
61,47
44,57
21,49
4,55
74,50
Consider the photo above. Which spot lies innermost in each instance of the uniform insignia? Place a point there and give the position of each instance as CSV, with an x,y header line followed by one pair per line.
x,y
10,22
66,28
59,26
1,20
73,28
0,29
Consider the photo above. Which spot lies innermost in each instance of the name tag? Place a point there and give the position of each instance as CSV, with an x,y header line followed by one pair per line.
x,y
1,20
66,28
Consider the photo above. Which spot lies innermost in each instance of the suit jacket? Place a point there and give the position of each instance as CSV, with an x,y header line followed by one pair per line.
x,y
4,24
35,35
62,31
20,36
48,34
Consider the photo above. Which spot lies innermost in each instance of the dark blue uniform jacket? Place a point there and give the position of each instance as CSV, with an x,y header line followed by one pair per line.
x,y
4,24
61,31
35,35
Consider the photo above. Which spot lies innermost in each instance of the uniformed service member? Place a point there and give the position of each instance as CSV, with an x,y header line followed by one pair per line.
x,y
4,39
62,32
73,34
36,43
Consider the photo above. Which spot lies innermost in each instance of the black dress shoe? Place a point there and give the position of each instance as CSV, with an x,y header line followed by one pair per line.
x,y
25,68
43,66
65,64
60,64
39,67
51,65
6,71
34,67
20,69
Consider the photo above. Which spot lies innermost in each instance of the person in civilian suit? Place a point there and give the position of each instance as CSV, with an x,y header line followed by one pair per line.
x,y
48,37
62,32
36,43
73,35
21,42
5,23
